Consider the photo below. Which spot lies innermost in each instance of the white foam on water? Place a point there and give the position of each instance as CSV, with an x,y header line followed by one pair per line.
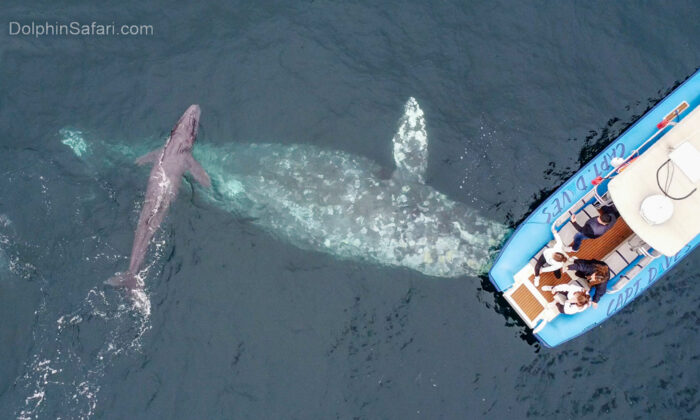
x,y
9,260
61,373
486,136
62,376
140,301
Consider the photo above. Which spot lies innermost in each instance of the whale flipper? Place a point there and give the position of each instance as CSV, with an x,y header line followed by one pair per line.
x,y
150,157
411,143
199,174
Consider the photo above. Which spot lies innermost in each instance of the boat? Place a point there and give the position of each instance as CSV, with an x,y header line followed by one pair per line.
x,y
650,174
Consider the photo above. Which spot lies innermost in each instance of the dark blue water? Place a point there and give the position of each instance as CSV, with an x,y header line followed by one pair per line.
x,y
244,325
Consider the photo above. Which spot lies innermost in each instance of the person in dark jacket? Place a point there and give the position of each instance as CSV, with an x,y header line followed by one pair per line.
x,y
597,273
594,228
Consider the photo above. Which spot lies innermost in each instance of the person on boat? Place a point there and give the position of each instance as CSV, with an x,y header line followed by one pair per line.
x,y
555,259
596,273
569,298
594,228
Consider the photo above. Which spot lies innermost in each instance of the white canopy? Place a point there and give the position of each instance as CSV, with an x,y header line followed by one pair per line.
x,y
639,181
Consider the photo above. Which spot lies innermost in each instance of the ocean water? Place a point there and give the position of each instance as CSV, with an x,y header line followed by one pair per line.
x,y
243,324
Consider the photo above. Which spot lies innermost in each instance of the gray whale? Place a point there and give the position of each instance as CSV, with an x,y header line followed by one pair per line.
x,y
342,204
170,163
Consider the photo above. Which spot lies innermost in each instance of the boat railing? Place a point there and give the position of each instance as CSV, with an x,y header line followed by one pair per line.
x,y
562,220
593,194
635,153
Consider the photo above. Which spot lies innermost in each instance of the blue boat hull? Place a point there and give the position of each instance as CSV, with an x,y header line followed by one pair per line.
x,y
535,231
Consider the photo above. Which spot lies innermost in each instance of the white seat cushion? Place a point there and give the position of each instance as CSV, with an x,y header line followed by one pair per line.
x,y
567,233
588,212
615,262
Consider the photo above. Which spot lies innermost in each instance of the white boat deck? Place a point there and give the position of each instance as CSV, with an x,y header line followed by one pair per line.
x,y
639,181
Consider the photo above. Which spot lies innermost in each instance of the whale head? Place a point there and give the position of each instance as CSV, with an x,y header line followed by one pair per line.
x,y
185,131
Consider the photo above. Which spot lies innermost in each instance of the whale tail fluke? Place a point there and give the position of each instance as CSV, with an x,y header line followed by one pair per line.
x,y
125,279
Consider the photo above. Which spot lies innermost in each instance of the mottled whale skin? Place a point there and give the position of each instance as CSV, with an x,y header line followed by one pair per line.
x,y
346,205
170,163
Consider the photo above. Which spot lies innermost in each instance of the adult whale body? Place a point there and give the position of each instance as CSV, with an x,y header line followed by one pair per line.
x,y
346,205
169,165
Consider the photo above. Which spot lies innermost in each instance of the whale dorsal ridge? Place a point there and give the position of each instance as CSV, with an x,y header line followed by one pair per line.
x,y
411,143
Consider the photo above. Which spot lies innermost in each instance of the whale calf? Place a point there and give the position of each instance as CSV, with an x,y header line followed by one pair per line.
x,y
345,205
170,162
